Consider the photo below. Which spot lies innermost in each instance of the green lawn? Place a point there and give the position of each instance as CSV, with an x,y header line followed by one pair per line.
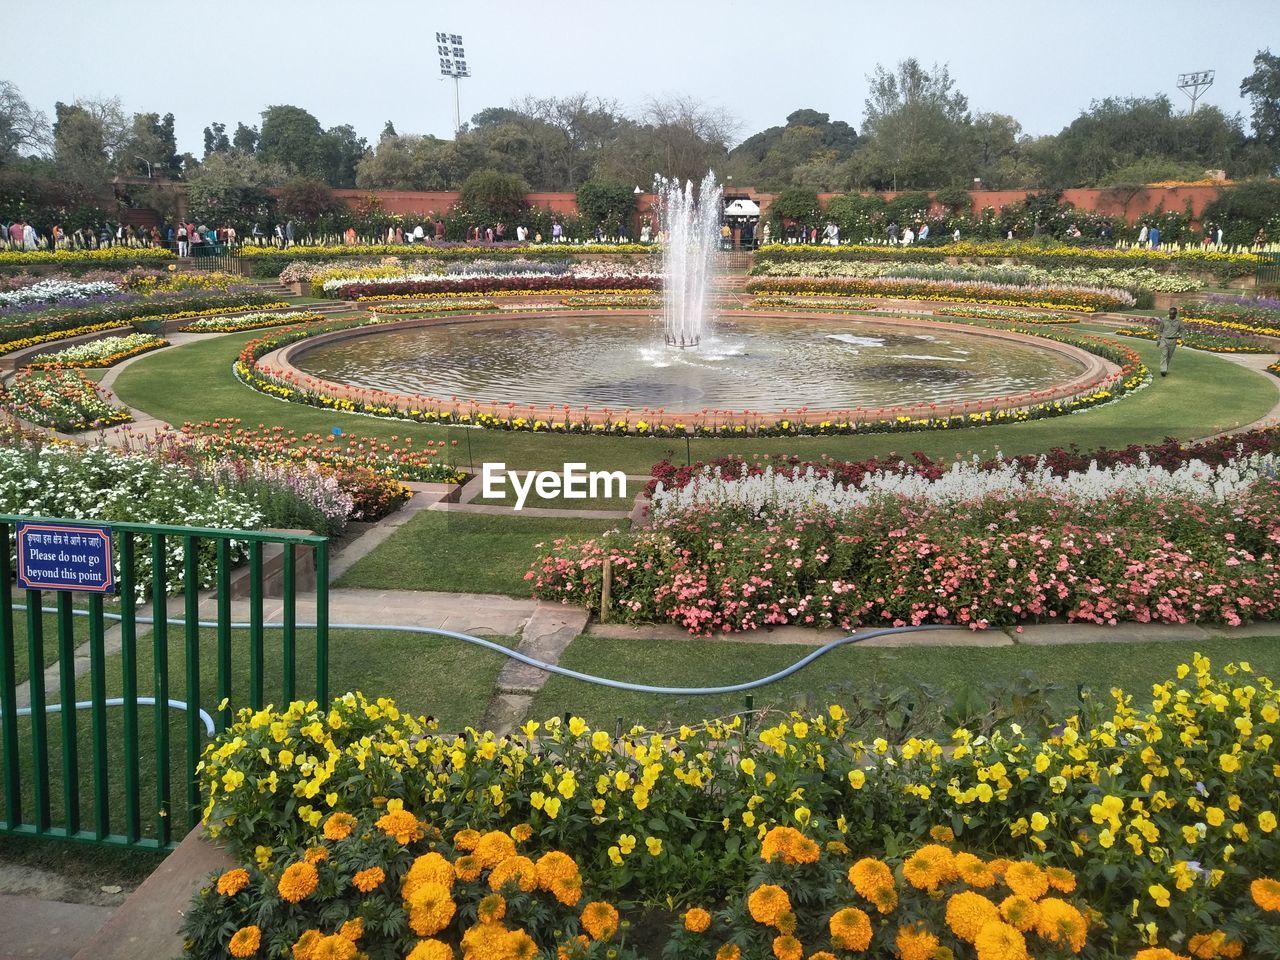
x,y
464,552
1206,394
850,675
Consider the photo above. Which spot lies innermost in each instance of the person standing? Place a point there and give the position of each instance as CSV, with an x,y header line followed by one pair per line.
x,y
1219,235
1153,237
288,233
1169,330
766,234
1142,236
923,235
893,231
557,232
29,240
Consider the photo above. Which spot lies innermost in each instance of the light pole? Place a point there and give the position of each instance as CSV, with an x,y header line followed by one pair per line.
x,y
453,64
637,193
147,162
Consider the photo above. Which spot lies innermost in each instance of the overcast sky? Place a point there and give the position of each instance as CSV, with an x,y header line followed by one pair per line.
x,y
364,62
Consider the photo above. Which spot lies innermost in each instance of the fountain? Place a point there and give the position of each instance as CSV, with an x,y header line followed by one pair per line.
x,y
691,223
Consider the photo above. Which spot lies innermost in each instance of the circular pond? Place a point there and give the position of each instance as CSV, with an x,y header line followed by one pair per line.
x,y
748,363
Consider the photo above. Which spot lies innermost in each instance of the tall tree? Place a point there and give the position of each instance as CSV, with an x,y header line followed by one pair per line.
x,y
150,146
1262,87
917,125
86,135
215,139
23,129
245,139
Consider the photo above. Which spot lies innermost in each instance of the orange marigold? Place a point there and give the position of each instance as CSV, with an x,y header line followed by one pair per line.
x,y
1061,879
304,949
520,946
555,865
942,834
850,929
467,839
697,920
491,908
929,867
573,949
600,920
486,941
431,908
787,947
428,868
521,833
1019,911
494,847
352,930
916,943
822,955
245,941
1061,923
789,844
468,868
431,950
730,951
400,824
1025,878
298,882
366,881
1266,893
968,913
518,870
873,880
339,826
767,903
335,947
974,871
233,881
568,890
999,941
316,855
1159,953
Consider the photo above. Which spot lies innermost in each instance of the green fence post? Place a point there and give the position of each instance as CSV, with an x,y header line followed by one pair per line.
x,y
67,694
256,639
160,659
191,596
129,664
322,623
98,696
39,718
224,633
8,689
290,638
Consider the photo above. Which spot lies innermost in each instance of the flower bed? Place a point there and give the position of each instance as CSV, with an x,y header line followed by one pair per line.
x,y
50,291
613,301
101,353
61,324
1220,341
117,256
1139,821
415,286
1005,316
249,321
464,305
271,261
293,387
1221,263
1248,314
1087,299
751,558
61,398
398,460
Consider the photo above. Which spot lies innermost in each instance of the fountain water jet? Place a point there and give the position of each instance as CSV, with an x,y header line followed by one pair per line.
x,y
691,222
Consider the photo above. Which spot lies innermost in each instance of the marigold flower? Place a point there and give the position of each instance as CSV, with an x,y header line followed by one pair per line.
x,y
428,868
573,949
850,929
697,920
491,908
822,955
1061,879
929,867
1025,878
352,930
366,881
999,941
521,833
555,866
942,834
767,903
316,855
518,870
467,868
1061,923
494,847
304,949
339,826
400,824
788,843
233,881
467,839
787,947
974,871
568,890
600,920
298,882
1159,953
245,941
730,951
1266,893
1208,946
431,908
334,947
431,950
968,913
916,943
1020,912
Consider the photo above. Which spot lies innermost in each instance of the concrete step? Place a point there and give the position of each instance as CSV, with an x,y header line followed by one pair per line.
x,y
47,929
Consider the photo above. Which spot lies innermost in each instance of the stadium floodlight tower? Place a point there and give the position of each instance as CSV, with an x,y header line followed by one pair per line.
x,y
453,64
1195,84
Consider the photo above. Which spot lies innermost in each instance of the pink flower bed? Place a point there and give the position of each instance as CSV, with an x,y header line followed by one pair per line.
x,y
897,561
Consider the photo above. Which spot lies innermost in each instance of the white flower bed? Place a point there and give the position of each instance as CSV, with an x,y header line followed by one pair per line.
x,y
95,352
585,270
52,291
781,493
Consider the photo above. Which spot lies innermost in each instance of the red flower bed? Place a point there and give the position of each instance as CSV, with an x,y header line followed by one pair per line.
x,y
494,284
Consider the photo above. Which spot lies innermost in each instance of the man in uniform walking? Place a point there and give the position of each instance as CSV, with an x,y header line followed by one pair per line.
x,y
1170,329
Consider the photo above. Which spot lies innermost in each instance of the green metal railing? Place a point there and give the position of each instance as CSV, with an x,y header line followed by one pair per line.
x,y
1268,272
45,781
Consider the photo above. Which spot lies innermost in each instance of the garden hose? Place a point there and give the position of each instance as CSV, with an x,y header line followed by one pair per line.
x,y
565,671
119,702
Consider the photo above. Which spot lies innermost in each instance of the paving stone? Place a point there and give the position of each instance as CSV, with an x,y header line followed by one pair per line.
x,y
505,712
1053,634
546,636
1266,629
46,929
